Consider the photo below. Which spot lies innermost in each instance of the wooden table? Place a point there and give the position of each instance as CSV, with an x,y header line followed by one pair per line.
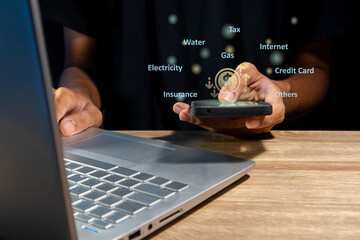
x,y
306,185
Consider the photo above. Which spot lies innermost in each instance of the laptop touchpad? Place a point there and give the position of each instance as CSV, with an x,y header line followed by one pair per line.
x,y
119,147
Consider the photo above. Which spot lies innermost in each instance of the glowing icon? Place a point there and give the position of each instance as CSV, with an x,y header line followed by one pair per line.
x,y
223,77
209,84
226,77
294,20
196,68
269,70
205,53
229,49
214,94
173,19
276,58
171,60
226,31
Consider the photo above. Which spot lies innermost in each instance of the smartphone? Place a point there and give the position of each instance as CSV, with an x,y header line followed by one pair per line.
x,y
215,109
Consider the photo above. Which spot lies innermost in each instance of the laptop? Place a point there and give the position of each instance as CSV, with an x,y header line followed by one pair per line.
x,y
97,184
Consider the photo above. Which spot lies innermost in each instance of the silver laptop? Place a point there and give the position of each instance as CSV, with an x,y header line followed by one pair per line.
x,y
97,184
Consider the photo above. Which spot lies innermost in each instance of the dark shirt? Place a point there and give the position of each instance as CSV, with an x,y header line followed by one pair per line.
x,y
135,33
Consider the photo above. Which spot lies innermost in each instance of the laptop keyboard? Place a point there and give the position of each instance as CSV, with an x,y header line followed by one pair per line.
x,y
104,194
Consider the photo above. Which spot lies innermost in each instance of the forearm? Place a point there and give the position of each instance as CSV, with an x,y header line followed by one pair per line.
x,y
79,81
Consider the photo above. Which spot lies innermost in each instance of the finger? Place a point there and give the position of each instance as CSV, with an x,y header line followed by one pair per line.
x,y
67,127
75,123
79,121
247,94
228,92
179,106
183,110
255,122
185,116
261,88
245,74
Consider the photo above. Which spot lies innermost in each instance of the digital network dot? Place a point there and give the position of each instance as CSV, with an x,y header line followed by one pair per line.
x,y
173,19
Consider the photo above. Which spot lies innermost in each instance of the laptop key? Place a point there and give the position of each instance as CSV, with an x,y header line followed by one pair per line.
x,y
84,170
105,187
76,178
84,206
101,224
90,183
154,191
129,207
109,201
93,196
124,171
159,181
113,179
72,166
84,218
116,217
176,186
100,212
98,174
74,200
143,177
129,183
71,185
69,173
143,199
120,192
78,191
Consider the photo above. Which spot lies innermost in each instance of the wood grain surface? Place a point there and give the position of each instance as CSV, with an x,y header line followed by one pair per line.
x,y
306,185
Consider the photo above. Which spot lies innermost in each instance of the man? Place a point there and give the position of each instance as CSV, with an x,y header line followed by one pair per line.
x,y
137,34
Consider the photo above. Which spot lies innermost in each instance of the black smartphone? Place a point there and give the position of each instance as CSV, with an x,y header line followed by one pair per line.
x,y
215,109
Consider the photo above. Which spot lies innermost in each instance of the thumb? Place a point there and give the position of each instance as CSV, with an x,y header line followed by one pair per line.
x,y
80,121
67,126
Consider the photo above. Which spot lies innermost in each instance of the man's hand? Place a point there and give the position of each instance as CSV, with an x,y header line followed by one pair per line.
x,y
77,101
248,83
75,112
